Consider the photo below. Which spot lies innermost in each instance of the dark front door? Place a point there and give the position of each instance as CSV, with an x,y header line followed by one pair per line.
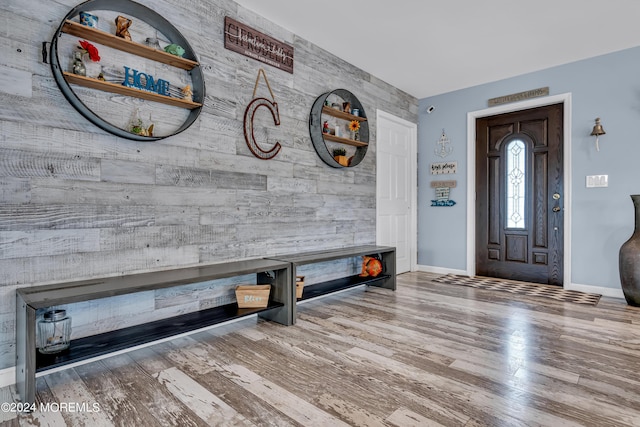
x,y
519,195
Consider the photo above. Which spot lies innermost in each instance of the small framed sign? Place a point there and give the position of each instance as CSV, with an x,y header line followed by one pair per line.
x,y
443,190
444,168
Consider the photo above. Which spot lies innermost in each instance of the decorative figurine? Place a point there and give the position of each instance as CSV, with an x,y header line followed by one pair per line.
x,y
138,127
88,19
122,27
78,66
153,43
174,49
346,107
187,93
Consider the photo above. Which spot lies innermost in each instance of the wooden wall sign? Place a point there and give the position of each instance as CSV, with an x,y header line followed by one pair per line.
x,y
520,96
444,184
245,40
249,115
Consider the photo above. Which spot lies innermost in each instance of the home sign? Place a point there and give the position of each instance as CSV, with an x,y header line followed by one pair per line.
x,y
143,81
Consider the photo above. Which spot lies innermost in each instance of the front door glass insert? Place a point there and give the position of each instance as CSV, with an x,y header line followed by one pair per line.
x,y
516,178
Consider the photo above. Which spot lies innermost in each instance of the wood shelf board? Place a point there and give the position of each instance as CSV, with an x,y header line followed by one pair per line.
x,y
91,289
341,114
99,345
331,286
128,91
347,141
333,254
111,40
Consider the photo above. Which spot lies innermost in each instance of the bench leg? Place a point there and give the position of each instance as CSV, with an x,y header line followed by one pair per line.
x,y
282,291
388,260
25,351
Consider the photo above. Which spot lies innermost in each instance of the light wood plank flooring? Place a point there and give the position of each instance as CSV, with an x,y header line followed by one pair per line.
x,y
426,355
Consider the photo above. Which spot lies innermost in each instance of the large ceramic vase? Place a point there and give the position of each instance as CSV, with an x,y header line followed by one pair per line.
x,y
629,260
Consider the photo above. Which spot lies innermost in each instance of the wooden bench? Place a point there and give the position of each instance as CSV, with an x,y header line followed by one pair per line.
x,y
29,361
386,279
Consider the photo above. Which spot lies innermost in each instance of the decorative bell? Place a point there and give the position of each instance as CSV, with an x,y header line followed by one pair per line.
x,y
597,131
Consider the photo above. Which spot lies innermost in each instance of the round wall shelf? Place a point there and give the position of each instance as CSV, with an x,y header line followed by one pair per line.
x,y
188,62
325,142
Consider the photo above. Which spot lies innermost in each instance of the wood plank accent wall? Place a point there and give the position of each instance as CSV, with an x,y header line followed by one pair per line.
x,y
76,202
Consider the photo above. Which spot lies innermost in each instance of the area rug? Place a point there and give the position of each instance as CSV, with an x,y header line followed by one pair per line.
x,y
521,288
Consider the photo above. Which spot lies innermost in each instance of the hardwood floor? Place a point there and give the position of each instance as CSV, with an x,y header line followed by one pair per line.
x,y
428,354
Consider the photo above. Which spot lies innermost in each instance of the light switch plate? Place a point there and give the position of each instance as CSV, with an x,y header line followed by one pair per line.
x,y
594,181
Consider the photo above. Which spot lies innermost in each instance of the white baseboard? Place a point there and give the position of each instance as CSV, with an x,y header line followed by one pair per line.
x,y
7,377
605,292
440,270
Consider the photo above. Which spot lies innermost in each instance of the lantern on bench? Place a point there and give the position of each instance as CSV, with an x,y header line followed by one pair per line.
x,y
54,332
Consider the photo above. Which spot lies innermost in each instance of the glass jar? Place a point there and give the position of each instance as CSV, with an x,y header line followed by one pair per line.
x,y
54,332
78,66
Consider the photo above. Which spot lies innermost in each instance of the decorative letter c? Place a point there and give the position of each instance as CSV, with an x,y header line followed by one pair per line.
x,y
249,136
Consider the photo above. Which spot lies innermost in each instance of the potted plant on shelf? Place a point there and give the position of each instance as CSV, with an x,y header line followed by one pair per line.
x,y
340,156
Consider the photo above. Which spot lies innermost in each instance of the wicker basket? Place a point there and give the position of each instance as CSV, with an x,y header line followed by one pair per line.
x,y
299,286
253,296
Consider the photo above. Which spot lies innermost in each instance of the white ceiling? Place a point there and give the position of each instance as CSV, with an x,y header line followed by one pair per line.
x,y
429,47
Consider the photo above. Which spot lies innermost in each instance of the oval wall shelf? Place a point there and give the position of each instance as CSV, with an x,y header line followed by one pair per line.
x,y
320,111
129,8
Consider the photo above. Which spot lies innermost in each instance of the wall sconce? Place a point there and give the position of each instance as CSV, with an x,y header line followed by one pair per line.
x,y
597,131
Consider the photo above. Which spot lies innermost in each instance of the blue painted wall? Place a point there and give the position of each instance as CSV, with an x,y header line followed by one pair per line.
x,y
606,86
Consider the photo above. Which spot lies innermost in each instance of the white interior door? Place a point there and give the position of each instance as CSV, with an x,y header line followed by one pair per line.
x,y
397,188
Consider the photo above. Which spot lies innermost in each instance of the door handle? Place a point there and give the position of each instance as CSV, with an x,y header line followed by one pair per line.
x,y
556,209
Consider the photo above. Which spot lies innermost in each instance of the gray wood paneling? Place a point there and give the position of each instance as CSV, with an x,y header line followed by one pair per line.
x,y
15,82
32,243
35,217
76,202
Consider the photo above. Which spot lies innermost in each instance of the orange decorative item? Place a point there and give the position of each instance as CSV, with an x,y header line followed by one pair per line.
x,y
371,267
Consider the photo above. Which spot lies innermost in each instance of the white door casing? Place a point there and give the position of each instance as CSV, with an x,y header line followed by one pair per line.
x,y
396,188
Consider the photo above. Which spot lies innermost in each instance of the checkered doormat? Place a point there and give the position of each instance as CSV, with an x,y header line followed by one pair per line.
x,y
522,288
